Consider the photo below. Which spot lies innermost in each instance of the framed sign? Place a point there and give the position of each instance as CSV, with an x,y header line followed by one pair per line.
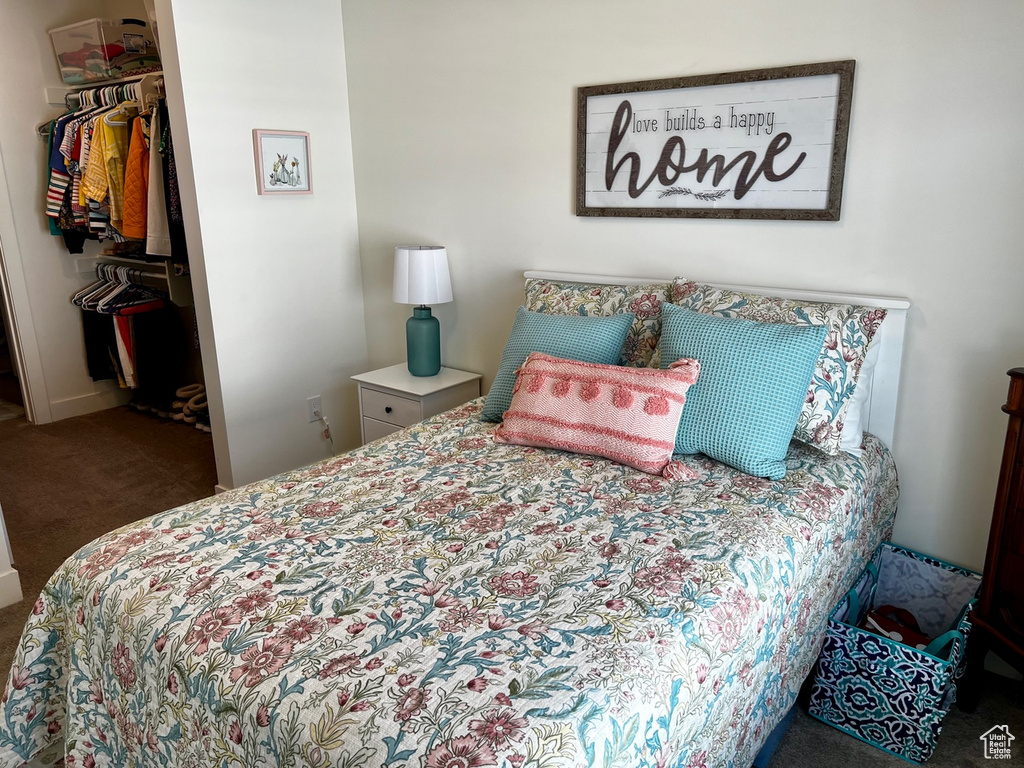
x,y
282,162
760,144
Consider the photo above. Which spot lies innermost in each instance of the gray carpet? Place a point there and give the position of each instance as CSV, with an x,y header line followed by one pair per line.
x,y
63,484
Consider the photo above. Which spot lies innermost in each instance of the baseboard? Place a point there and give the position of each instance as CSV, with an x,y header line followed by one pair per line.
x,y
10,588
98,401
218,488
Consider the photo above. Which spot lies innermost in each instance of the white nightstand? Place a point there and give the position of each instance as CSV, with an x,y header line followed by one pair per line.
x,y
392,398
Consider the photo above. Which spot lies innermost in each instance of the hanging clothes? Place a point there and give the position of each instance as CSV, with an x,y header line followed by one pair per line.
x,y
161,355
99,155
111,176
126,349
97,212
104,178
175,220
70,149
136,181
116,133
59,178
158,233
51,220
78,174
100,347
56,193
133,335
120,292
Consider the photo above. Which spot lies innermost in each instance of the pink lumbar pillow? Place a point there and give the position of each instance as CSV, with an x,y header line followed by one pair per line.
x,y
628,415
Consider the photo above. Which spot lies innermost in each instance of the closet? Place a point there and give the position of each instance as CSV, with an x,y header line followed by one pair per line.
x,y
146,294
113,203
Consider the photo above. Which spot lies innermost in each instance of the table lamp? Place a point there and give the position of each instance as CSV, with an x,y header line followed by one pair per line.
x,y
421,278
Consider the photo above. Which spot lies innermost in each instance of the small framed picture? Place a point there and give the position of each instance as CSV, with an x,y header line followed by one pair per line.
x,y
282,162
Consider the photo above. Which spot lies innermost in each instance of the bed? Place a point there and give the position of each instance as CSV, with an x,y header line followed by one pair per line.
x,y
439,599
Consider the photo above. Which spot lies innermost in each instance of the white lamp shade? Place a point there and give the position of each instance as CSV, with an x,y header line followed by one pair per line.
x,y
421,275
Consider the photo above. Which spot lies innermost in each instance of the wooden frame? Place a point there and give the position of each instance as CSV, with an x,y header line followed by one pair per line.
x,y
879,413
282,162
758,144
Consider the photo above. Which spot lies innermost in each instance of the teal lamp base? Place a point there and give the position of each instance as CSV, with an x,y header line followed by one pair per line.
x,y
423,343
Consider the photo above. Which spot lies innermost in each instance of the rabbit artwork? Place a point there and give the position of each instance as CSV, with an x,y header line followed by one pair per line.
x,y
280,175
282,162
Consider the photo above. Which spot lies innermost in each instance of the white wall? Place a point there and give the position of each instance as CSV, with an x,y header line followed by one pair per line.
x,y
463,130
276,278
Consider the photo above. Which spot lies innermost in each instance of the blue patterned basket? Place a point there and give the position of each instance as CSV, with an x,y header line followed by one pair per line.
x,y
891,695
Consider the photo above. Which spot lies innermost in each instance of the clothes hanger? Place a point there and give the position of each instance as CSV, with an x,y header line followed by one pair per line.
x,y
121,283
119,290
91,301
43,130
96,289
101,280
136,299
131,294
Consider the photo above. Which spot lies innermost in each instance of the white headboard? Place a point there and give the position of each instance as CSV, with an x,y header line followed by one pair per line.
x,y
880,412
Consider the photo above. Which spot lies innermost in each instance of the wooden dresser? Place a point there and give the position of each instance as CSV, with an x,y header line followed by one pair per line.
x,y
999,616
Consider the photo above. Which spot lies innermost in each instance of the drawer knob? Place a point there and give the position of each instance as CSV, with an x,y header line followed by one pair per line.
x,y
387,409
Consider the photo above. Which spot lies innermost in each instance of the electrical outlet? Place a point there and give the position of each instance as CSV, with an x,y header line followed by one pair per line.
x,y
314,407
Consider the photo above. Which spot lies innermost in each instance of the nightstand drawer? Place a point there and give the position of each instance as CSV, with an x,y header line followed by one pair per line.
x,y
373,429
392,397
390,408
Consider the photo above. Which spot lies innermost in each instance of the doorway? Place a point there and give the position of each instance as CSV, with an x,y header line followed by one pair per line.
x,y
12,401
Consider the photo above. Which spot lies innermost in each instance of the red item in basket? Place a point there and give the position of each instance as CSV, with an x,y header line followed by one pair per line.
x,y
897,624
81,57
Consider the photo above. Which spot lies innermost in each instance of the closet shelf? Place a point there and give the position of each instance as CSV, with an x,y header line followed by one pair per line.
x,y
57,96
179,287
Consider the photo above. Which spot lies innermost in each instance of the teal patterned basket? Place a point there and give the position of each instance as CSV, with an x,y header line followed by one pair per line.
x,y
889,694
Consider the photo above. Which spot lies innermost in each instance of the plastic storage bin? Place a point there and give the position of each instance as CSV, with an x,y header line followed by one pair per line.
x,y
892,695
103,49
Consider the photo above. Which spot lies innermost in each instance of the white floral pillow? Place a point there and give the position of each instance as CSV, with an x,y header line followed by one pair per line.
x,y
851,329
643,301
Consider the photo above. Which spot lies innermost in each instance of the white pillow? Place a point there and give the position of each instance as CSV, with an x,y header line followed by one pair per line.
x,y
853,429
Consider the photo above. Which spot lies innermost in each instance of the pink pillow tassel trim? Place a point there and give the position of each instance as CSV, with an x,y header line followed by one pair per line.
x,y
628,415
680,472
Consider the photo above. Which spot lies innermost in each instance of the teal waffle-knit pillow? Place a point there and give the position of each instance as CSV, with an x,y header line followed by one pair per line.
x,y
753,381
588,339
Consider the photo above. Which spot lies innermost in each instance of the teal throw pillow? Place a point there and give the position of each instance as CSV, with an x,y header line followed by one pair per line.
x,y
588,339
754,378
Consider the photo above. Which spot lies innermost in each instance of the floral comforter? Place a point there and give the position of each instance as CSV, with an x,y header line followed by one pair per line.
x,y
435,599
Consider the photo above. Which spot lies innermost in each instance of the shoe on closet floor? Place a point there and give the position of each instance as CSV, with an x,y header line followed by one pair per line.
x,y
186,393
203,422
140,405
183,395
193,408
